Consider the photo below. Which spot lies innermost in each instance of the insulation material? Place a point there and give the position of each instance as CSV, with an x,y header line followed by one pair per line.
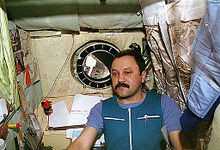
x,y
72,15
164,68
61,22
111,21
185,10
44,14
173,65
179,10
182,37
152,12
171,52
109,14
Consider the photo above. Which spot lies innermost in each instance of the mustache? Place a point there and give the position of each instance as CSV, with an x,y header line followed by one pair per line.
x,y
121,85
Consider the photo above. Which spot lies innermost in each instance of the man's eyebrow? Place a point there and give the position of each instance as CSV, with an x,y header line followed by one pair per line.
x,y
127,68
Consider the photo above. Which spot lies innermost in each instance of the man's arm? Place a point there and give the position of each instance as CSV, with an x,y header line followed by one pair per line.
x,y
85,141
171,116
174,137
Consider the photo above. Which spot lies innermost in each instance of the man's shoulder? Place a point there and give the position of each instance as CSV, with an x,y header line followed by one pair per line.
x,y
168,103
154,93
167,99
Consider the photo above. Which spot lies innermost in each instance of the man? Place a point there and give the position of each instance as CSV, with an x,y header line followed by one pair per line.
x,y
131,119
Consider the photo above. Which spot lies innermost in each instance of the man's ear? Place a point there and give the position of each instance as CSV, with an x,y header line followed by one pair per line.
x,y
143,76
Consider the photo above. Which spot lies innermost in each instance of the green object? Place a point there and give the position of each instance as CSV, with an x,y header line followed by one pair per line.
x,y
8,88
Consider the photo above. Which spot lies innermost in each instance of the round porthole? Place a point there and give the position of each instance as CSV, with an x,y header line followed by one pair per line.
x,y
90,63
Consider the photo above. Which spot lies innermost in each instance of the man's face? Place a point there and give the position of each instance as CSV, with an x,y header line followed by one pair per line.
x,y
126,77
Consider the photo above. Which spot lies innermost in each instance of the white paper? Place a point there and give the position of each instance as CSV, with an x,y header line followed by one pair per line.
x,y
83,103
3,109
81,107
74,133
60,115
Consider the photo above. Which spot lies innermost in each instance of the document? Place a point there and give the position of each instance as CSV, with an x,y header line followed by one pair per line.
x,y
60,115
80,109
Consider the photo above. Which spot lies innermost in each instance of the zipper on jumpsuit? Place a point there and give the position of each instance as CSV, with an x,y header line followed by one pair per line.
x,y
130,129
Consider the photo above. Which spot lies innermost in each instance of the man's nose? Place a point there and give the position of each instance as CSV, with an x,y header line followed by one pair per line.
x,y
121,77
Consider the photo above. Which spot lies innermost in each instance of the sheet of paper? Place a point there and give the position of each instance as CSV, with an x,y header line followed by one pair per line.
x,y
84,103
60,115
77,118
3,109
81,107
74,133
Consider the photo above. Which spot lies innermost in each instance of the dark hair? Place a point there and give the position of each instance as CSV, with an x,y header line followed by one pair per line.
x,y
137,56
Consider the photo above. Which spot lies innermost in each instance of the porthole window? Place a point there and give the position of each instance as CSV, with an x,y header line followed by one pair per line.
x,y
90,63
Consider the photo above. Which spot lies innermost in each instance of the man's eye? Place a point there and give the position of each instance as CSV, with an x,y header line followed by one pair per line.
x,y
114,74
127,72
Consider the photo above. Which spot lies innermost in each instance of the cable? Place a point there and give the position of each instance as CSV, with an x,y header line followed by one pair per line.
x,y
60,71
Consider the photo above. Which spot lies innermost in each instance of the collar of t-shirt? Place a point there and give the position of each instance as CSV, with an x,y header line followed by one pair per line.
x,y
126,106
